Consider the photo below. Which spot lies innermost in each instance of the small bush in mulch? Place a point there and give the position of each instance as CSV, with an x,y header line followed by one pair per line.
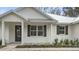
x,y
0,42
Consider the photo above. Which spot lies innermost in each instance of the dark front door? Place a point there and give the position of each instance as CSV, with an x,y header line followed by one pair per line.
x,y
17,33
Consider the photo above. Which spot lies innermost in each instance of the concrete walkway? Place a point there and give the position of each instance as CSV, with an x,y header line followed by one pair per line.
x,y
11,47
46,49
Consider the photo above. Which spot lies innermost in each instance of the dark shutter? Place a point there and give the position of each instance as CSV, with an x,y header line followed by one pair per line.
x,y
66,30
28,33
45,30
57,30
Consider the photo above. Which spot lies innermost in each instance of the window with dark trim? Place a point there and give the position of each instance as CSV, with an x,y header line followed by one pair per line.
x,y
40,30
62,30
34,30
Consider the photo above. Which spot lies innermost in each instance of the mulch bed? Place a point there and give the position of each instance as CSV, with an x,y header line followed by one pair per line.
x,y
44,46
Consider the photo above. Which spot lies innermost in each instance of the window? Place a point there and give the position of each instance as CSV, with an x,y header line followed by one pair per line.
x,y
33,30
62,30
36,30
40,30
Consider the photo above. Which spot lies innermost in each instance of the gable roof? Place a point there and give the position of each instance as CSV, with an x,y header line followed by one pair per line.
x,y
14,11
62,19
56,18
42,13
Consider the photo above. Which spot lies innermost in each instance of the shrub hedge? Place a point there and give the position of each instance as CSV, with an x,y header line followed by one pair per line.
x,y
57,43
67,43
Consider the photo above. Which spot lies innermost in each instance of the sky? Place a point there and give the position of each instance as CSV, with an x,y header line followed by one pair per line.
x,y
5,9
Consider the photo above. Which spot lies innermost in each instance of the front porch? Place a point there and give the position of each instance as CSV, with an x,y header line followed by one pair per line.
x,y
11,32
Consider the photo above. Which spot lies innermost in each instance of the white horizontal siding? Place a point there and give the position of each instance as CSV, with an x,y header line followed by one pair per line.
x,y
36,39
75,31
42,39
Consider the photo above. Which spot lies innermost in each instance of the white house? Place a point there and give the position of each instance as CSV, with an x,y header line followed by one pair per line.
x,y
29,25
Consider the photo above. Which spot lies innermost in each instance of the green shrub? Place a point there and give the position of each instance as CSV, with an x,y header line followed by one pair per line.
x,y
0,42
55,42
76,43
60,44
66,42
72,43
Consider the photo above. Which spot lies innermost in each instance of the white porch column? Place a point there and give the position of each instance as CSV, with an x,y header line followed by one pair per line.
x,y
51,33
22,29
3,27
